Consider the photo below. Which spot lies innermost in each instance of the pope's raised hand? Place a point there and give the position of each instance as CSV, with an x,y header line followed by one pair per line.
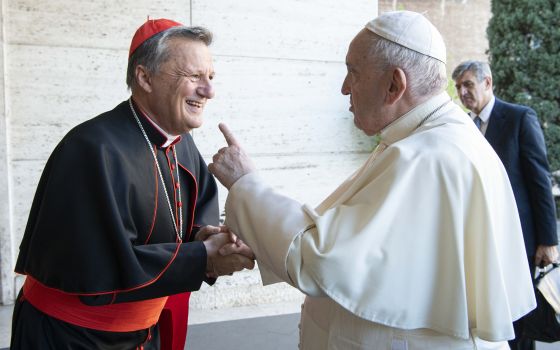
x,y
231,162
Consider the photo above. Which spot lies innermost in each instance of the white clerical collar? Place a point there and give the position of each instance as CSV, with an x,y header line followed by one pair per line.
x,y
169,139
486,111
407,123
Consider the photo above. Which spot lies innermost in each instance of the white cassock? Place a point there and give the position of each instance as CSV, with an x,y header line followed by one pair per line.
x,y
421,248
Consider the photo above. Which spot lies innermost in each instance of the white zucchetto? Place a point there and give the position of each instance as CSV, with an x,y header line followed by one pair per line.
x,y
411,30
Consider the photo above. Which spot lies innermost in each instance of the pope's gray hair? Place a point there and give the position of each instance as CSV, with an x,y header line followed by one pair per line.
x,y
480,70
154,51
425,75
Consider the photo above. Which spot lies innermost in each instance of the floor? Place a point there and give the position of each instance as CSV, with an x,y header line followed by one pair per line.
x,y
271,333
276,332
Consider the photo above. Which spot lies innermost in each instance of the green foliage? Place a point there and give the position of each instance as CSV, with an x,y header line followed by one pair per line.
x,y
524,40
452,91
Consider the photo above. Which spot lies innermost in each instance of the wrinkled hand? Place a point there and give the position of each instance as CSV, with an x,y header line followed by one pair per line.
x,y
231,162
208,230
234,246
218,264
237,247
546,255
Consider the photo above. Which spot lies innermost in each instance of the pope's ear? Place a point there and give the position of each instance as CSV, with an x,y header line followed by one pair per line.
x,y
143,78
397,86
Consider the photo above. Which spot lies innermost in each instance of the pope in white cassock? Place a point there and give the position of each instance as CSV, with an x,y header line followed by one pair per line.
x,y
420,248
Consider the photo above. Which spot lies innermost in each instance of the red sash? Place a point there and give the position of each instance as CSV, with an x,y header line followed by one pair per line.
x,y
173,322
120,317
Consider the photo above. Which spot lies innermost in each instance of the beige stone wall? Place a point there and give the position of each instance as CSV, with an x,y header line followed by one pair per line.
x,y
279,66
6,242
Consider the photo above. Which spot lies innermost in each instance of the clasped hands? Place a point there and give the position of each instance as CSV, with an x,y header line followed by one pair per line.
x,y
225,253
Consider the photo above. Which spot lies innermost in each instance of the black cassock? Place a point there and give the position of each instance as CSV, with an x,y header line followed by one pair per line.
x,y
100,225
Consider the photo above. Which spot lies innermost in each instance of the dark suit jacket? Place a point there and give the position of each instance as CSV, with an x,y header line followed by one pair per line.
x,y
516,136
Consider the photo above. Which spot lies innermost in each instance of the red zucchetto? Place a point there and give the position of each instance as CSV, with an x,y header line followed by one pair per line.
x,y
148,30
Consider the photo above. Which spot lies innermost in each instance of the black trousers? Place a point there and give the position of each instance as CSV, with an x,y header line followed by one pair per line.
x,y
520,342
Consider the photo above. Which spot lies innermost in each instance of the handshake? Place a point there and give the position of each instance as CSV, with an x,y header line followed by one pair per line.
x,y
225,252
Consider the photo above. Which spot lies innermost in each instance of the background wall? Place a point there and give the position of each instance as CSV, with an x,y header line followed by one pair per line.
x,y
279,65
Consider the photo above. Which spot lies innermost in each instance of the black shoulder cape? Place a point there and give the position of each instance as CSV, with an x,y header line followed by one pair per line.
x,y
100,224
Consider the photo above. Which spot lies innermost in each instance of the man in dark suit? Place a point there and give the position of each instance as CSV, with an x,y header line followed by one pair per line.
x,y
516,136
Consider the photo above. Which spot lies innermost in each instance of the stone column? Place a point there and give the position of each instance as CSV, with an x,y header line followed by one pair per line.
x,y
6,244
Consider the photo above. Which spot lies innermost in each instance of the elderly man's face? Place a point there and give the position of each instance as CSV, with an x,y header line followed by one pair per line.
x,y
474,94
182,86
366,84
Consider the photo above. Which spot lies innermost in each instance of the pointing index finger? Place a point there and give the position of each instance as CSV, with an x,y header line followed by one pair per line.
x,y
230,139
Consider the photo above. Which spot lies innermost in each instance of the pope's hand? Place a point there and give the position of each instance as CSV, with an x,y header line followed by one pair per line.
x,y
231,162
209,230
234,246
218,264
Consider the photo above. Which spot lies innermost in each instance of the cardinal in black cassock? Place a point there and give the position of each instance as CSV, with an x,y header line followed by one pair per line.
x,y
110,235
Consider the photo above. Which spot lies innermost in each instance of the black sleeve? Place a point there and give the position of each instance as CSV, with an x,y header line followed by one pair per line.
x,y
536,171
186,273
81,237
